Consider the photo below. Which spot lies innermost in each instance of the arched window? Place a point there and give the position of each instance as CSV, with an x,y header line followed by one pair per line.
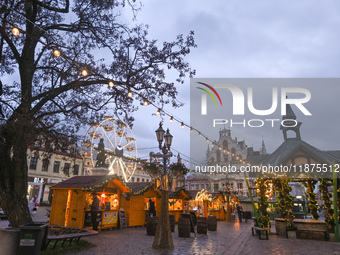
x,y
225,151
233,154
225,145
218,156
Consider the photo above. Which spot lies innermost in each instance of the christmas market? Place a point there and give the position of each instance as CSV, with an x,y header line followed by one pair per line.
x,y
179,201
137,203
115,137
71,204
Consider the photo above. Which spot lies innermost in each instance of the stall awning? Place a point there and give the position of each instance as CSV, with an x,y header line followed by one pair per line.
x,y
139,188
180,193
90,182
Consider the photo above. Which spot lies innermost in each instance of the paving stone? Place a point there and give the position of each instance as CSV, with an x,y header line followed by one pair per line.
x,y
229,239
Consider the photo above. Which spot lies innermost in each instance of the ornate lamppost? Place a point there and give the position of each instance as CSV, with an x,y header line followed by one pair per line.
x,y
166,175
163,237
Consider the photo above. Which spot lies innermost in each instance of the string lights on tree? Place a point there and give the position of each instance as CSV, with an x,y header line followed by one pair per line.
x,y
84,72
15,31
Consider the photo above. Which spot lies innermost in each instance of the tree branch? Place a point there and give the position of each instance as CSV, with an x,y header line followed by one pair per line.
x,y
49,95
61,10
10,43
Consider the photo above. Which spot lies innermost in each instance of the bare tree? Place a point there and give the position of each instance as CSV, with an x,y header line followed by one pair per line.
x,y
49,94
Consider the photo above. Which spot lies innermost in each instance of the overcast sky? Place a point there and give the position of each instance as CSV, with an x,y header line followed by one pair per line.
x,y
250,39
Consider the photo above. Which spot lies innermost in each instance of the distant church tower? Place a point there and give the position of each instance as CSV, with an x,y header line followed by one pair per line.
x,y
290,115
263,149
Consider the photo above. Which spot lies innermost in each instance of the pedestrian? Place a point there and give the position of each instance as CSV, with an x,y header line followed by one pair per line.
x,y
239,211
152,208
94,211
31,204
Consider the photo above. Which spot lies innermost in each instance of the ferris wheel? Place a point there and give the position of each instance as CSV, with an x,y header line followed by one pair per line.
x,y
111,144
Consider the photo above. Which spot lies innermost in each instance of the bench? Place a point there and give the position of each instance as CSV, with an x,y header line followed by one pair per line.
x,y
310,230
259,231
58,233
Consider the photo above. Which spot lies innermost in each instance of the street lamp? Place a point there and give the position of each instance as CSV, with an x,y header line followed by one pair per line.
x,y
163,237
167,176
168,139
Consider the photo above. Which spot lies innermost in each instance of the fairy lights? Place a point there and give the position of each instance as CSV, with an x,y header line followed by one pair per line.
x,y
111,83
15,31
56,53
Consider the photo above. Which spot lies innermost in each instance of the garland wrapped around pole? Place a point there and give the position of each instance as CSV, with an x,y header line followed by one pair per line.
x,y
285,201
261,185
251,197
313,204
326,197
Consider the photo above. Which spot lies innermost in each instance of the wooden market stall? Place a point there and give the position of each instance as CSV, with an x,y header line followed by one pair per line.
x,y
199,202
179,202
72,200
136,203
217,206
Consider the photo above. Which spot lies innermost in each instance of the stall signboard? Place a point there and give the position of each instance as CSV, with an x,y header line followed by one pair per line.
x,y
110,218
122,218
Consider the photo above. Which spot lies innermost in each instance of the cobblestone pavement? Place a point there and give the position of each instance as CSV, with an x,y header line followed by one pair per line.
x,y
230,238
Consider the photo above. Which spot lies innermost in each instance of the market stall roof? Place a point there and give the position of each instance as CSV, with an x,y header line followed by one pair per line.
x,y
217,195
139,188
90,182
193,193
290,146
180,192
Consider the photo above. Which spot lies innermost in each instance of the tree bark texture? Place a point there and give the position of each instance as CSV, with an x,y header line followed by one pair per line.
x,y
163,237
13,172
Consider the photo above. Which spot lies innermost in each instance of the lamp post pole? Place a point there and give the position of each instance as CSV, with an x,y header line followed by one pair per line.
x,y
163,237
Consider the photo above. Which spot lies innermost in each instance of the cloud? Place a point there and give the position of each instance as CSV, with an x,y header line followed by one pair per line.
x,y
256,39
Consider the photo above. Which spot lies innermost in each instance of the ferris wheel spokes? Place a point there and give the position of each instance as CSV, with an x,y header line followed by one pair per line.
x,y
119,147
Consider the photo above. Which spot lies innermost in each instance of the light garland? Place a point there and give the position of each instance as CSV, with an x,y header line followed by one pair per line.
x,y
84,72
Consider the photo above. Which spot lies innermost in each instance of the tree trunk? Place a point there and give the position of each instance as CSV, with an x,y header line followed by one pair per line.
x,y
163,237
13,172
16,210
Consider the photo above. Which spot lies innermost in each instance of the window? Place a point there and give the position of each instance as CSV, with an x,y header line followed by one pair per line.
x,y
233,154
137,179
147,180
197,186
76,169
56,166
71,150
218,156
45,163
240,187
142,179
133,179
216,187
33,163
67,167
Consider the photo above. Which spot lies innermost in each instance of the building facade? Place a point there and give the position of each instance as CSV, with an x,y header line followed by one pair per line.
x,y
226,151
50,163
